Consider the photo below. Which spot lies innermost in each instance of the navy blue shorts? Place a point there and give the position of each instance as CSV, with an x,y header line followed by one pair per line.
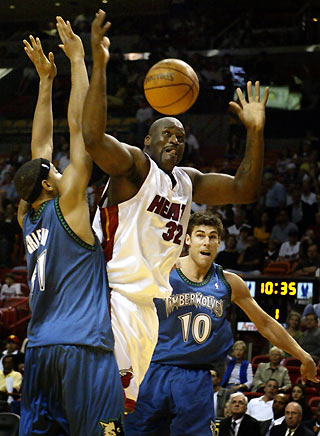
x,y
71,390
173,401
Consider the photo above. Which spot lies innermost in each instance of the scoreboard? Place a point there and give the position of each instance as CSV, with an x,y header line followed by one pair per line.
x,y
278,296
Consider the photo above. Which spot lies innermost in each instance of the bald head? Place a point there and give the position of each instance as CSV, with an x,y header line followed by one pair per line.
x,y
161,122
165,143
279,404
293,414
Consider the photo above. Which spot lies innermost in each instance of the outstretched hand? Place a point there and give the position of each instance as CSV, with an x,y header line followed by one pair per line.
x,y
252,112
99,42
45,66
71,43
308,371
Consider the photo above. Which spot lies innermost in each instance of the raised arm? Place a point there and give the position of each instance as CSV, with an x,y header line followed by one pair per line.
x,y
269,327
74,181
243,188
42,127
112,156
80,161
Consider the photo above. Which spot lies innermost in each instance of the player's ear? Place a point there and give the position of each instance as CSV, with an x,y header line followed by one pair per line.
x,y
187,240
147,140
46,185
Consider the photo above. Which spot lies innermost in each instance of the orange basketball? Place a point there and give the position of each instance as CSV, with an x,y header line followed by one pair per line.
x,y
171,86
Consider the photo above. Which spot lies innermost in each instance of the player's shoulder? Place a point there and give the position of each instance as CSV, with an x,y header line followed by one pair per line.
x,y
193,173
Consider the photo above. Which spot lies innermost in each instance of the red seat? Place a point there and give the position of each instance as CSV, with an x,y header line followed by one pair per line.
x,y
311,392
25,289
258,359
313,403
291,361
13,300
294,373
277,267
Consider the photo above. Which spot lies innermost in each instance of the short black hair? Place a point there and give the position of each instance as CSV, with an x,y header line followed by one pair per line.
x,y
28,178
206,219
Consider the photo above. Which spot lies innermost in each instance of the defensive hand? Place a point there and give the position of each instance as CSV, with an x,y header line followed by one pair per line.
x,y
45,66
252,112
99,42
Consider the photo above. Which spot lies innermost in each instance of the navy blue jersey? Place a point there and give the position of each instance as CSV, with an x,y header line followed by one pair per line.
x,y
193,329
69,296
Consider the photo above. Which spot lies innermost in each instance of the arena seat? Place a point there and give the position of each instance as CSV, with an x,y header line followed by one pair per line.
x,y
291,361
9,424
277,267
258,359
313,403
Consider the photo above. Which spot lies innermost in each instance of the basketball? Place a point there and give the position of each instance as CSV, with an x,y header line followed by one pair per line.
x,y
171,86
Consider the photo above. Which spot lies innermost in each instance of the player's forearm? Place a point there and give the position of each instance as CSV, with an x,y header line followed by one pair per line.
x,y
79,89
248,176
280,338
95,108
42,126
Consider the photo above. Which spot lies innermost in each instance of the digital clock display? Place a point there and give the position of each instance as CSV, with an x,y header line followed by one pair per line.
x,y
301,290
281,288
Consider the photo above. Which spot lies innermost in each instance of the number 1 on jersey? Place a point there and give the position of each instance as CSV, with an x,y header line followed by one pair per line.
x,y
40,268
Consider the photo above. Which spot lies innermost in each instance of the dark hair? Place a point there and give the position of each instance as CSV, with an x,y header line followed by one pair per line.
x,y
272,379
206,219
303,399
28,178
315,317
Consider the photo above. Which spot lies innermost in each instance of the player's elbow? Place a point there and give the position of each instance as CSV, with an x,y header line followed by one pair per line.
x,y
247,195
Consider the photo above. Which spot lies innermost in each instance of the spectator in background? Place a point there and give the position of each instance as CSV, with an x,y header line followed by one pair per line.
x,y
10,288
242,240
251,259
298,395
316,226
278,407
7,186
293,327
238,375
221,395
144,117
226,410
238,221
292,424
13,349
263,228
275,196
280,231
299,212
260,408
239,423
10,381
192,147
229,256
316,422
289,250
272,370
311,337
272,252
308,266
308,196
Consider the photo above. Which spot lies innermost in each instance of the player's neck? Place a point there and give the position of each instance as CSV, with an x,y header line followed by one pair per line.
x,y
192,270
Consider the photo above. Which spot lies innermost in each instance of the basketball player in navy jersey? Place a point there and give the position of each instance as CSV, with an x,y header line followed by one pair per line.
x,y
146,207
176,395
71,380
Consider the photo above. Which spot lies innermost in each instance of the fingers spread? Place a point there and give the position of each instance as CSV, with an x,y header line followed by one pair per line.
x,y
249,92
